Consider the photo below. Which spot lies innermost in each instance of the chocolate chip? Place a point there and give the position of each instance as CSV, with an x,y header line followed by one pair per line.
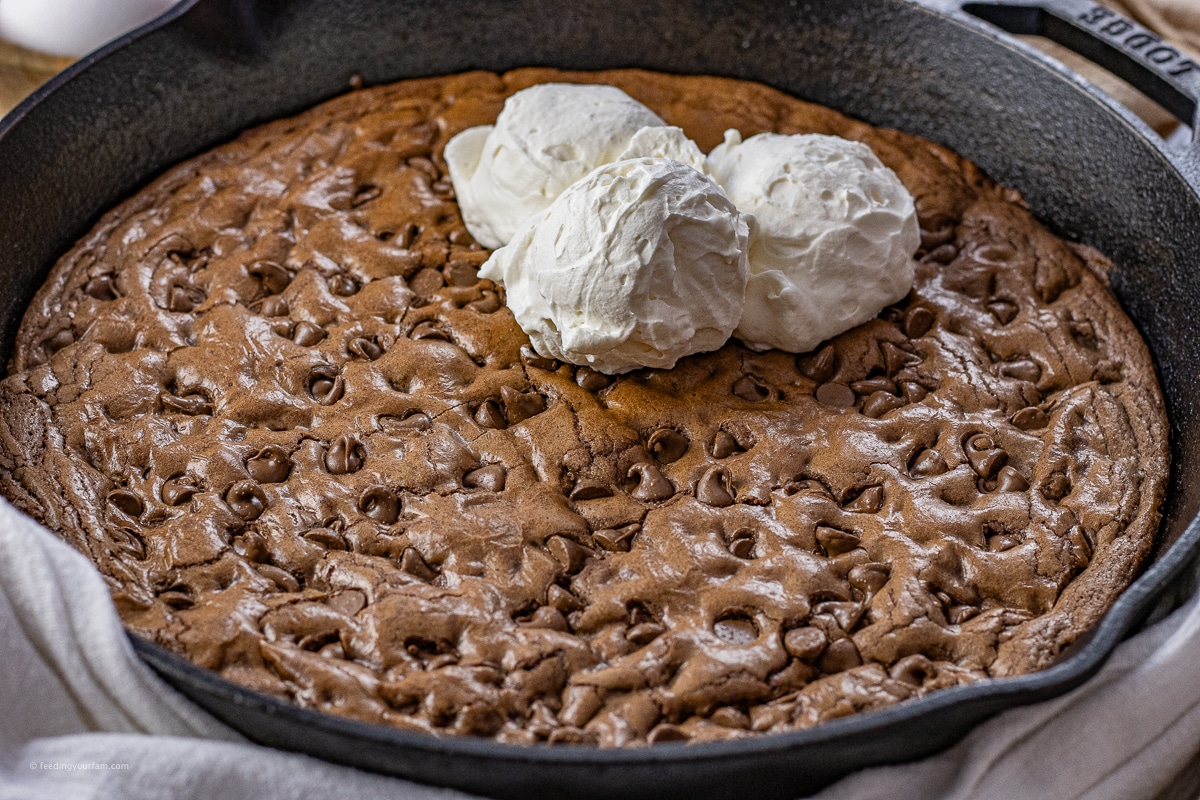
x,y
1003,310
329,539
408,234
549,618
569,554
272,276
1009,480
488,303
284,581
416,421
489,416
820,366
365,194
560,598
274,306
415,564
986,459
364,348
805,643
1022,369
928,463
913,670
345,455
179,489
896,358
180,601
617,540
306,334
129,542
247,500
807,486
957,615
380,504
283,328
835,394
750,389
725,445
736,628
652,485
101,288
872,385
428,330
127,501
644,633
580,704
869,578
742,543
918,321
272,464
426,282
1031,419
192,404
325,384
343,285
840,656
591,380
836,542
184,297
713,488
490,478
913,392
869,501
520,406
461,273
590,490
531,358
880,403
667,445
666,732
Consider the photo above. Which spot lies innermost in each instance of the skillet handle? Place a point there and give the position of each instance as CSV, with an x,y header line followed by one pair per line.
x,y
1120,45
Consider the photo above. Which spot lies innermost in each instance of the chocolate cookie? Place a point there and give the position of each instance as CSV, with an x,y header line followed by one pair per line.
x,y
309,449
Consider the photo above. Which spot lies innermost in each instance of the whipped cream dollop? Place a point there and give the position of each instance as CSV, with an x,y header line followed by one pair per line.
x,y
639,263
835,235
545,139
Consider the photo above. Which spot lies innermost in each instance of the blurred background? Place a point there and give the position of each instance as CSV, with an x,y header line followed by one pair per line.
x,y
39,38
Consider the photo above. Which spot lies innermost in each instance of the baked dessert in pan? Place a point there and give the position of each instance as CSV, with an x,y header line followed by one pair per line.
x,y
311,450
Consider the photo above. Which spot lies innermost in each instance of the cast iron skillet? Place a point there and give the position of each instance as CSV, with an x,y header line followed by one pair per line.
x,y
1090,169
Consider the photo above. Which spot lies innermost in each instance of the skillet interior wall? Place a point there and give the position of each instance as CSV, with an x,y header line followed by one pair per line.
x,y
227,64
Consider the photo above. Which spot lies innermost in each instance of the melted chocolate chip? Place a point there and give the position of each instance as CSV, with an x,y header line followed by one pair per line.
x,y
426,281
272,464
364,348
415,564
896,358
820,366
273,277
1003,310
127,501
380,504
927,464
520,406
306,334
1022,369
869,578
743,543
913,670
428,330
835,542
184,297
416,421
667,445
1031,419
713,488
531,358
488,303
274,306
101,288
805,643
918,321
192,404
1009,480
986,459
836,394
736,628
880,403
840,656
247,500
179,489
617,540
569,554
345,455
591,380
750,389
489,416
652,485
869,501
325,385
590,490
725,445
490,478
343,285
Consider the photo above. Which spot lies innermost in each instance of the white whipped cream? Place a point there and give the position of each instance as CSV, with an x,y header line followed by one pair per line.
x,y
835,235
546,138
638,264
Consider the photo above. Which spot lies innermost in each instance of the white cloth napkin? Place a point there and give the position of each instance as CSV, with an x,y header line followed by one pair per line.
x,y
81,717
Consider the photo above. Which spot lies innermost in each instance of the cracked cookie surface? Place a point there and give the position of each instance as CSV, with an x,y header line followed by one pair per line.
x,y
309,449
